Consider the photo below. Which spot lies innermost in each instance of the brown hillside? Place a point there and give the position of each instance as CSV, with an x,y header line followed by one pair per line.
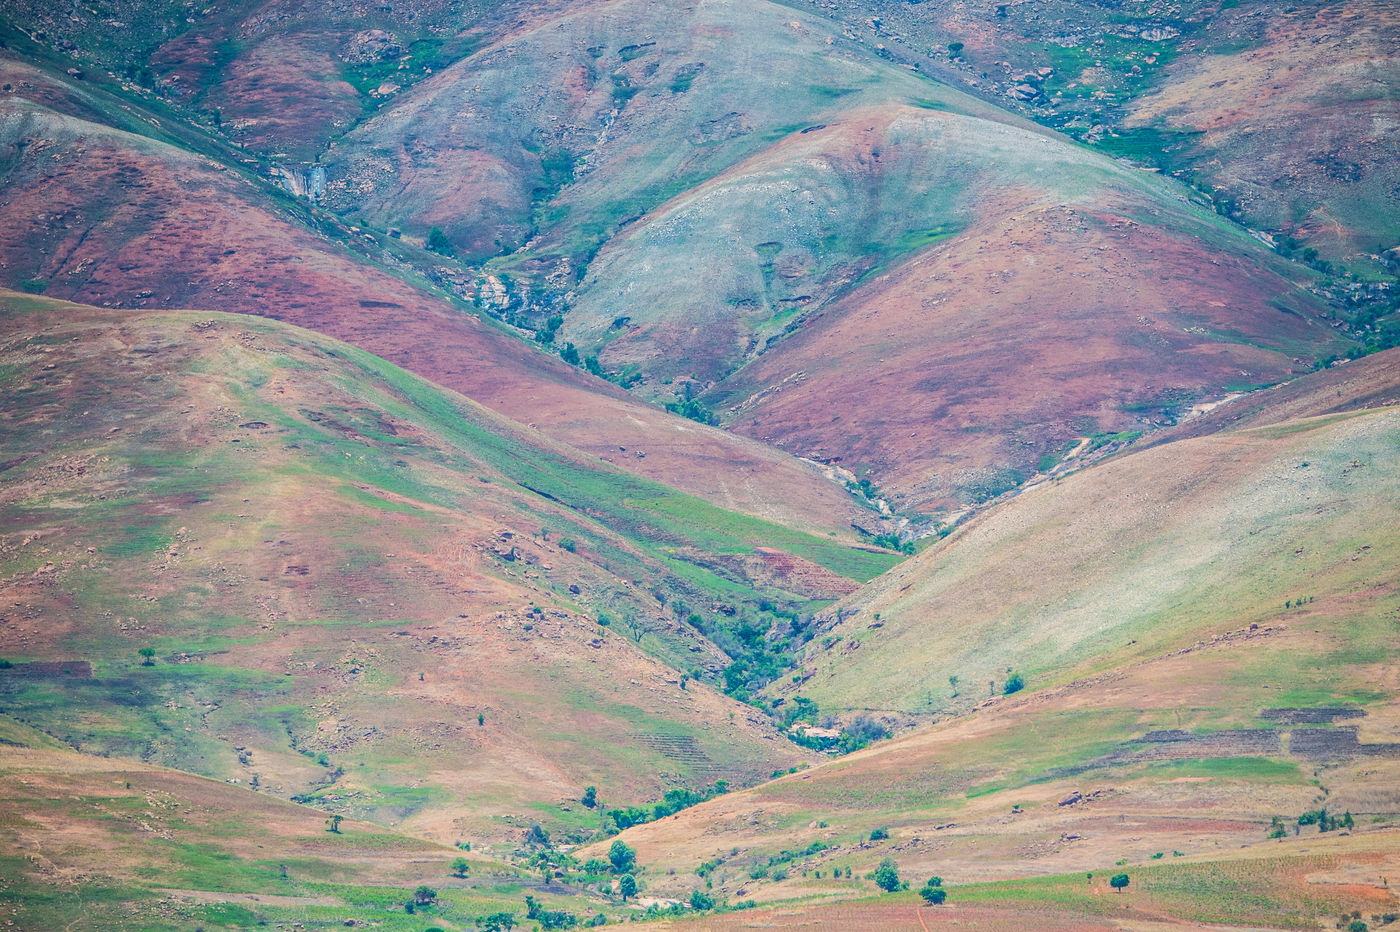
x,y
185,232
1356,385
1109,774
955,374
349,598
1206,635
1300,126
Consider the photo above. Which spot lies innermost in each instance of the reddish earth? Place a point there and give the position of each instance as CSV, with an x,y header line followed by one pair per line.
x,y
488,613
1299,127
1025,333
1361,384
187,233
285,95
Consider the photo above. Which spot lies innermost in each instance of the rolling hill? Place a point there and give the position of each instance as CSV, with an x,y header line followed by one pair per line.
x,y
1282,113
852,223
360,588
103,844
797,436
1189,675
1129,560
740,210
189,231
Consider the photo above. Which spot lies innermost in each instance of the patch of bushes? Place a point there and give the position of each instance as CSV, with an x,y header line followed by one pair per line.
x,y
694,410
674,801
933,892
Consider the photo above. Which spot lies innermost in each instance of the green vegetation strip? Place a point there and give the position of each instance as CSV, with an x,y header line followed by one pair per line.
x,y
1247,892
636,507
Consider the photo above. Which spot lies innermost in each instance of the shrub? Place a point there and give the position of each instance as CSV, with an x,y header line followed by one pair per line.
x,y
497,922
694,410
438,242
886,876
880,834
934,896
860,732
549,918
1014,684
623,857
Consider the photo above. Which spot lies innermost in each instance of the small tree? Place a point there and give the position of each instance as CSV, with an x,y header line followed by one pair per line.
x,y
933,892
460,867
627,886
424,895
333,823
438,242
623,857
701,901
1014,684
886,876
497,922
1118,882
590,796
147,656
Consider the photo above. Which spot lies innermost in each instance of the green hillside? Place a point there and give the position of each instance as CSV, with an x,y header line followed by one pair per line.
x,y
1126,561
334,564
473,465
1085,681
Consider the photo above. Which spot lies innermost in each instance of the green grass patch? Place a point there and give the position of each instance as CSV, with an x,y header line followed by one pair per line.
x,y
137,540
1246,892
640,509
1253,769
